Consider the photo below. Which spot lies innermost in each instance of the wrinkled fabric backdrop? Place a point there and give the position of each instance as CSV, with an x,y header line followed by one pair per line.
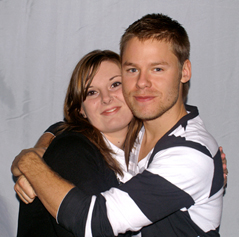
x,y
41,42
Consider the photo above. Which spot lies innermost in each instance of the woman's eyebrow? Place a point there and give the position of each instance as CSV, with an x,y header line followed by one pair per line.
x,y
114,77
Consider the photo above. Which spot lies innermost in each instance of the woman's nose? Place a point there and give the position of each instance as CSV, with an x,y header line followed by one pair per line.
x,y
107,98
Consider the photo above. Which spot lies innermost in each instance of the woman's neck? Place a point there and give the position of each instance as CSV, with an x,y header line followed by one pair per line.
x,y
117,138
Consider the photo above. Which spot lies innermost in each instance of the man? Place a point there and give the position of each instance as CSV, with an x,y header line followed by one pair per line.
x,y
180,186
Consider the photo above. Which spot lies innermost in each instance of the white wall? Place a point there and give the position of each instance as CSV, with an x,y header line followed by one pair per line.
x,y
41,41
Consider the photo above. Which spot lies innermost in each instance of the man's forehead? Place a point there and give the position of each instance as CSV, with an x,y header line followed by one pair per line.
x,y
151,50
143,41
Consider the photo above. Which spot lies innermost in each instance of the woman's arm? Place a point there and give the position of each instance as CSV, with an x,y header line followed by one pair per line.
x,y
224,166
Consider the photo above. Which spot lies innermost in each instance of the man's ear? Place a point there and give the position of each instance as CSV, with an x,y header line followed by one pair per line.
x,y
186,71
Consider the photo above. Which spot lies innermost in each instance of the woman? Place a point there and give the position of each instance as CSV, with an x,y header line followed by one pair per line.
x,y
96,124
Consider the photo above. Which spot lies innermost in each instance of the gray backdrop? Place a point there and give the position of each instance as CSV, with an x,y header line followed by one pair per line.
x,y
41,41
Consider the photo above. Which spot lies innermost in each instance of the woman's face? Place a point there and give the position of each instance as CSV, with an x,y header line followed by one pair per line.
x,y
105,106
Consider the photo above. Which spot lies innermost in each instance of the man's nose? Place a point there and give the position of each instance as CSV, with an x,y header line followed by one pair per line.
x,y
143,80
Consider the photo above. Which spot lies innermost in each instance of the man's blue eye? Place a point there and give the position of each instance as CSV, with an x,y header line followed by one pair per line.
x,y
132,70
157,69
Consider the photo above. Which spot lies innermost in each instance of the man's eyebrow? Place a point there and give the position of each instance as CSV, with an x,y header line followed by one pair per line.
x,y
152,64
114,77
159,63
128,64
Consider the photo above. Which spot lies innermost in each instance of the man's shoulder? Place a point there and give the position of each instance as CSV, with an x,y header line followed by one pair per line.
x,y
189,132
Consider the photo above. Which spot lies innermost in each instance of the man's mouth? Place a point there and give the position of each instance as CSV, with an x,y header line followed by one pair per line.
x,y
144,98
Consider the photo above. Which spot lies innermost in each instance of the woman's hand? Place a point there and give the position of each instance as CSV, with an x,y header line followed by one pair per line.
x,y
224,166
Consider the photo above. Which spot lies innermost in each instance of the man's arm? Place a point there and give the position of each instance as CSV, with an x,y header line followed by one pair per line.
x,y
52,189
149,196
45,140
49,187
22,186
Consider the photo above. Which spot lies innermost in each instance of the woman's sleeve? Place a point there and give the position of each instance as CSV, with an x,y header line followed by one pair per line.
x,y
54,128
77,160
34,220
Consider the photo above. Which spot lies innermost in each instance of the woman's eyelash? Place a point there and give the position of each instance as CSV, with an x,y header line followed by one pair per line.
x,y
91,93
116,84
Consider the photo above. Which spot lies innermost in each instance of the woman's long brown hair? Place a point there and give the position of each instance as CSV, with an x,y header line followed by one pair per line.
x,y
81,79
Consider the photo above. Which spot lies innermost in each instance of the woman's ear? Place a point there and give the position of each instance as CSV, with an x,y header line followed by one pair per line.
x,y
186,71
82,112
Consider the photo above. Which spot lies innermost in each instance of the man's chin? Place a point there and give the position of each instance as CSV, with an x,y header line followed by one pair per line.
x,y
146,116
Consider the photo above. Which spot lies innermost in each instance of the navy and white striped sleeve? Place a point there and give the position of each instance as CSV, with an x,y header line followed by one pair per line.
x,y
166,186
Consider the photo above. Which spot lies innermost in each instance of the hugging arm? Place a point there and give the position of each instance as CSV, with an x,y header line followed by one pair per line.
x,y
148,197
42,179
224,166
52,189
73,157
25,190
22,186
123,202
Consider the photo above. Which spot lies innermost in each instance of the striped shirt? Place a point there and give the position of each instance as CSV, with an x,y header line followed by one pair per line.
x,y
177,192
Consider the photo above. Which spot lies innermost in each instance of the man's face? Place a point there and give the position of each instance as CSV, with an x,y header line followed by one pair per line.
x,y
151,77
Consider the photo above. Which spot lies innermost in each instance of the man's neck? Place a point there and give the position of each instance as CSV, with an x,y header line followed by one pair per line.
x,y
156,128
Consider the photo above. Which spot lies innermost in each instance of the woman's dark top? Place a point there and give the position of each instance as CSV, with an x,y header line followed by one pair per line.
x,y
76,159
